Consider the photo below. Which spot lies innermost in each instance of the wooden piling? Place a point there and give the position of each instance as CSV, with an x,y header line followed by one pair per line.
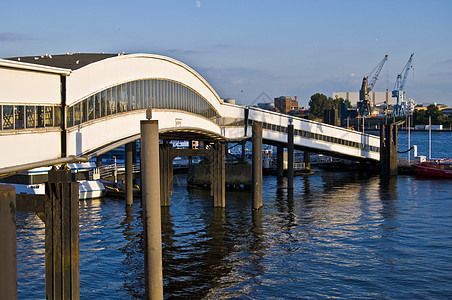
x,y
219,175
290,156
257,164
307,159
279,161
8,249
388,150
62,272
129,173
166,173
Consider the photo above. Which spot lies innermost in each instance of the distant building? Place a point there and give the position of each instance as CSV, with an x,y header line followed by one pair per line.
x,y
285,104
266,106
447,111
377,98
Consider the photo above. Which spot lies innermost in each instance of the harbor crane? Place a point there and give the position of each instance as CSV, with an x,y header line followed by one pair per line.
x,y
364,108
398,92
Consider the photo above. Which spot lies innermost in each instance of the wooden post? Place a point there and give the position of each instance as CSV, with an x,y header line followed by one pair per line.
x,y
279,161
166,173
8,249
219,178
307,159
62,236
257,164
290,154
388,150
129,173
152,226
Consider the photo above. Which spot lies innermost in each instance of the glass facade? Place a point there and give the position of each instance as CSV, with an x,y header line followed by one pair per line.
x,y
136,95
29,116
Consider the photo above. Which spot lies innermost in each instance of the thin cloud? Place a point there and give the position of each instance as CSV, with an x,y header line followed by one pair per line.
x,y
444,62
10,37
183,52
221,46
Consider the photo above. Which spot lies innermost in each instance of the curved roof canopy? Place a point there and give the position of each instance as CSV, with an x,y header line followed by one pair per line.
x,y
71,61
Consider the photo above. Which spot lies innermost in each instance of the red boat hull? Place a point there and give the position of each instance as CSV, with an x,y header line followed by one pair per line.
x,y
437,168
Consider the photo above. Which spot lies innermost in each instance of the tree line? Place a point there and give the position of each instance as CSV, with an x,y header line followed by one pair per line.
x,y
320,102
421,117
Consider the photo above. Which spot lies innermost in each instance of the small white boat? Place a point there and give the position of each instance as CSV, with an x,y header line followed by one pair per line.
x,y
88,189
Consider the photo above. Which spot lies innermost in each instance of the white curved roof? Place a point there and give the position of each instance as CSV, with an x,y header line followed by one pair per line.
x,y
112,71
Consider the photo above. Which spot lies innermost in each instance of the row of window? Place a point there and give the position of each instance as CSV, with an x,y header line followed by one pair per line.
x,y
139,94
320,137
29,116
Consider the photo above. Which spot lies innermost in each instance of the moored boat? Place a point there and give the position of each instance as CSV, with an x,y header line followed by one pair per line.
x,y
32,181
435,167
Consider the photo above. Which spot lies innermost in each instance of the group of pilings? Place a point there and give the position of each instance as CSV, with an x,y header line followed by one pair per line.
x,y
59,207
59,210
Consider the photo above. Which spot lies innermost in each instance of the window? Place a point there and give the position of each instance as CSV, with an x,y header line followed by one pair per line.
x,y
132,95
97,106
113,100
103,104
84,112
57,116
77,114
30,112
48,116
124,96
70,116
39,116
90,108
19,116
8,119
108,102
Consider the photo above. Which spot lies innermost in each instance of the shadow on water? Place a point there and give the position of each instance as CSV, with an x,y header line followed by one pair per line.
x,y
199,241
133,272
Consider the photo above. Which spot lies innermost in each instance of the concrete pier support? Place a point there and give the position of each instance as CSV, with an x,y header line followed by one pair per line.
x,y
388,150
150,178
307,159
279,161
290,154
62,272
218,175
257,164
8,249
166,173
129,173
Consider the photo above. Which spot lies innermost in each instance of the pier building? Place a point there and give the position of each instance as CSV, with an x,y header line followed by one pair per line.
x,y
59,109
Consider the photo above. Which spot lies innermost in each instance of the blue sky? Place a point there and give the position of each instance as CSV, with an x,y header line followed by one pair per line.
x,y
246,48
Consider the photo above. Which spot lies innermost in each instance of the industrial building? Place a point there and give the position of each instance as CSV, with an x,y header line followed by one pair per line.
x,y
376,98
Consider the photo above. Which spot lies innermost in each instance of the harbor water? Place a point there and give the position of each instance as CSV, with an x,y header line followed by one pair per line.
x,y
338,234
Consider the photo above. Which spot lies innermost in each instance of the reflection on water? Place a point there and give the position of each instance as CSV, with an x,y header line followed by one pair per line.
x,y
334,235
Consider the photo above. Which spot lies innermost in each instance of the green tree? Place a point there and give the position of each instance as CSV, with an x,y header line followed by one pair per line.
x,y
420,117
320,102
434,112
338,101
317,104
